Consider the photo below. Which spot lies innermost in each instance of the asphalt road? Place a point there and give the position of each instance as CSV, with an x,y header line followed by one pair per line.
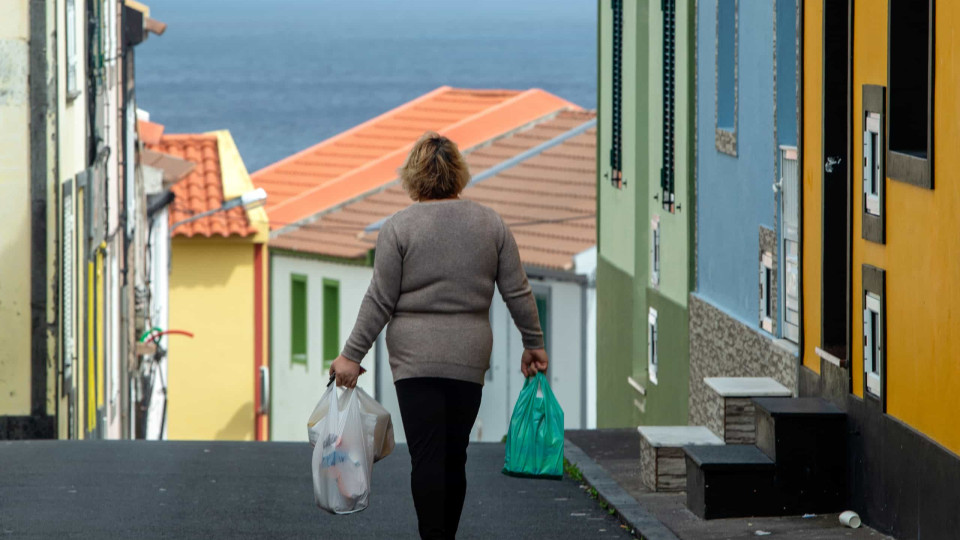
x,y
137,489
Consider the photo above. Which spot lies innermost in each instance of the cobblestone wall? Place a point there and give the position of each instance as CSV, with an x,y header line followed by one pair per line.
x,y
721,346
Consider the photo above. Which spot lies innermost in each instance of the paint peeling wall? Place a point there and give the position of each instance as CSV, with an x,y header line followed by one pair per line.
x,y
15,208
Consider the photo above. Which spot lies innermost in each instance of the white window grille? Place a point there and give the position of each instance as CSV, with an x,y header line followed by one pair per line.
x,y
872,164
653,360
655,251
873,342
766,292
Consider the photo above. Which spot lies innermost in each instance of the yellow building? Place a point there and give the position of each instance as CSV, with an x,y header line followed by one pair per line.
x,y
68,172
217,276
881,250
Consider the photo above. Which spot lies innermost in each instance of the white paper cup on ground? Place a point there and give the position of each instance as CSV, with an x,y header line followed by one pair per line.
x,y
850,519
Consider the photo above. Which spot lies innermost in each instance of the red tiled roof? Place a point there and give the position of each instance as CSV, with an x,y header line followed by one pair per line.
x,y
366,157
548,200
202,189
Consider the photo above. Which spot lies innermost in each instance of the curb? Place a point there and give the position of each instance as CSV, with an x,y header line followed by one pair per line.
x,y
627,508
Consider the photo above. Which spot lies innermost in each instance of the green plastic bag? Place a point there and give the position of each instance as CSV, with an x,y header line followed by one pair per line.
x,y
535,440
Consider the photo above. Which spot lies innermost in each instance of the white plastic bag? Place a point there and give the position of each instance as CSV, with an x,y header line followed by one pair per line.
x,y
342,463
383,441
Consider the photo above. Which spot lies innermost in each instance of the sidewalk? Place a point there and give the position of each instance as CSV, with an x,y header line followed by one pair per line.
x,y
612,457
138,489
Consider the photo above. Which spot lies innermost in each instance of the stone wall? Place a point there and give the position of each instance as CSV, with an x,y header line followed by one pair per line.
x,y
721,346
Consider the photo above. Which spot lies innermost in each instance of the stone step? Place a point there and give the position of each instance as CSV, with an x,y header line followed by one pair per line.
x,y
662,463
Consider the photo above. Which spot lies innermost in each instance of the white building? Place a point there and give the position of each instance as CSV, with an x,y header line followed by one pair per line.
x,y
540,178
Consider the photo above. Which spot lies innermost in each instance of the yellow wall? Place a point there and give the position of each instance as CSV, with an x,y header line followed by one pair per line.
x,y
15,209
812,155
211,377
922,244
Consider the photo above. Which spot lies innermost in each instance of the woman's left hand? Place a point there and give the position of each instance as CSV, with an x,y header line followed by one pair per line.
x,y
346,371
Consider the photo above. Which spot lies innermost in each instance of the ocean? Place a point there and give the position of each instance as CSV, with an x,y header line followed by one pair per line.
x,y
282,75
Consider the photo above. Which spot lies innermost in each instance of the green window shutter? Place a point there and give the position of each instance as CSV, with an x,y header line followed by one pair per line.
x,y
543,313
298,319
616,101
331,321
669,8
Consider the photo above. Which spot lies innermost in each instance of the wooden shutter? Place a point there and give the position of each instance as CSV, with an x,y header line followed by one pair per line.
x,y
616,101
331,321
669,8
298,319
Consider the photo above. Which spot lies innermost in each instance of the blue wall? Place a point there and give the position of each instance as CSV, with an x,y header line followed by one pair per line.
x,y
735,194
725,61
787,72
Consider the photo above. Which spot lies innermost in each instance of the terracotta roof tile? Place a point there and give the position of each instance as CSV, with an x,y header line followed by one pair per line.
x,y
202,189
549,200
366,157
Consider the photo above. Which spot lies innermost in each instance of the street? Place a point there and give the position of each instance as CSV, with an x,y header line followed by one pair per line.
x,y
137,489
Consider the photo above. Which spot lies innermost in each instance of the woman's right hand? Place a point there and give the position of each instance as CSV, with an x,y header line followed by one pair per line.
x,y
532,361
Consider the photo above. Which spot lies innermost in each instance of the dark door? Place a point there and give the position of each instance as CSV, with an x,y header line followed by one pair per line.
x,y
835,302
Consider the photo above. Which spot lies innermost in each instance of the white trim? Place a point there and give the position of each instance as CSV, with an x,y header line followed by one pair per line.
x,y
653,346
636,386
828,357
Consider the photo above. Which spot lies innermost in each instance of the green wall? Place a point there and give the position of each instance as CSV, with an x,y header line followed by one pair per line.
x,y
624,289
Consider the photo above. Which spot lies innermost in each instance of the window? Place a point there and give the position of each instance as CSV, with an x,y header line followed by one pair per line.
x,y
73,89
910,80
669,8
653,360
298,319
873,170
331,321
766,291
874,330
655,251
616,102
872,338
726,76
790,231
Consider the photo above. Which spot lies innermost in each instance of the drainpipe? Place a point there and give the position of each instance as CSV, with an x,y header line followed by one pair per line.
x,y
583,354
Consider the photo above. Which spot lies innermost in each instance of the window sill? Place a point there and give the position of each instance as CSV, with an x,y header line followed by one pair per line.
x,y
910,169
829,357
73,95
636,386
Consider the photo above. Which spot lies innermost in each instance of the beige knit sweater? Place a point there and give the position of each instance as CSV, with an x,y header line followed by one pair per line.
x,y
435,267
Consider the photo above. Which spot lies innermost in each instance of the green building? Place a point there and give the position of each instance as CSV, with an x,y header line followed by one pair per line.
x,y
645,206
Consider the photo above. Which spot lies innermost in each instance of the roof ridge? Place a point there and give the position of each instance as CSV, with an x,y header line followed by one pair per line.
x,y
330,140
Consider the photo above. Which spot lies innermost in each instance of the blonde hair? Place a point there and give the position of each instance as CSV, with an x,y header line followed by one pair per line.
x,y
435,169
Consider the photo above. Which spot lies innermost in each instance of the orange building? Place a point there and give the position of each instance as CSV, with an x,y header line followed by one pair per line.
x,y
880,246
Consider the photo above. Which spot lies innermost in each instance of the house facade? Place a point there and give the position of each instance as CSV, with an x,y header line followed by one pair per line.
x,y
645,209
74,271
879,133
217,294
320,271
744,313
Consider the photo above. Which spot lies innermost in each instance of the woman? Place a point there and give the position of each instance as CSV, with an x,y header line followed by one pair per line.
x,y
435,269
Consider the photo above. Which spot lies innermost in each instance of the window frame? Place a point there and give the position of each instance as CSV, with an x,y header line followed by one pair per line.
x,y
901,166
767,280
72,50
653,346
668,65
873,297
331,328
655,252
616,105
297,357
873,121
726,136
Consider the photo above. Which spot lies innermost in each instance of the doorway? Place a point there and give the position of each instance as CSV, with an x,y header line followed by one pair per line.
x,y
836,183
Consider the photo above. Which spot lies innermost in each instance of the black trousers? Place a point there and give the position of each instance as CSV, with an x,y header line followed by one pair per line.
x,y
438,415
